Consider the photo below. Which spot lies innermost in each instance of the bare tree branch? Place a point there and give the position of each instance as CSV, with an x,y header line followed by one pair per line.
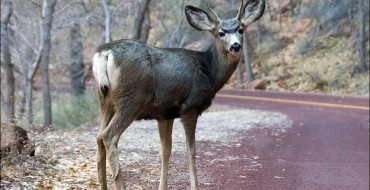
x,y
35,64
65,6
23,37
141,10
107,20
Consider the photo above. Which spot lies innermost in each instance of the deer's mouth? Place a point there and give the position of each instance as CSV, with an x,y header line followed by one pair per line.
x,y
235,51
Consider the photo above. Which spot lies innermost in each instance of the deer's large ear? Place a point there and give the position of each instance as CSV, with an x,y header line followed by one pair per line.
x,y
199,19
252,11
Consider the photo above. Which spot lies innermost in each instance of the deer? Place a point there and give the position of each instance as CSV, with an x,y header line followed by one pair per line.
x,y
138,81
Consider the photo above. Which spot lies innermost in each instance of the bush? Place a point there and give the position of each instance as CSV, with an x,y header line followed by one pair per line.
x,y
72,112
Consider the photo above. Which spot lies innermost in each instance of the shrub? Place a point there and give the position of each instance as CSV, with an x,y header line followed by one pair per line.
x,y
71,112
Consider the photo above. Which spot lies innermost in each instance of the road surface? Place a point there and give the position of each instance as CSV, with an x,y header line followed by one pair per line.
x,y
327,146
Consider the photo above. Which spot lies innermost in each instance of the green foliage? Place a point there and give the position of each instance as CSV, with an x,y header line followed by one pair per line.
x,y
71,112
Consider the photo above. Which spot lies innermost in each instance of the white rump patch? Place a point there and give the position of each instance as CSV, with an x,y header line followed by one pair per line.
x,y
105,71
113,71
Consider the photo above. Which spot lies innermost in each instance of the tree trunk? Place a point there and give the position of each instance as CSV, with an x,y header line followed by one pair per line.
x,y
247,61
107,21
176,38
20,109
268,7
7,96
240,74
28,89
145,28
140,15
29,114
292,5
299,7
362,41
280,16
47,18
77,66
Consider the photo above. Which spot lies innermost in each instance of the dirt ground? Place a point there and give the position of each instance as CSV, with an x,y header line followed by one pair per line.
x,y
66,159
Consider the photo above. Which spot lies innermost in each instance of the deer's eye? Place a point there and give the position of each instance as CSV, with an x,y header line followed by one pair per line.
x,y
222,34
240,31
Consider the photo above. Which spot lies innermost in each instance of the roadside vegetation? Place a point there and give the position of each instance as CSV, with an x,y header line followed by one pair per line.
x,y
314,50
71,112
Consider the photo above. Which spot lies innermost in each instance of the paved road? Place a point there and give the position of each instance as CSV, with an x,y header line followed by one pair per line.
x,y
326,148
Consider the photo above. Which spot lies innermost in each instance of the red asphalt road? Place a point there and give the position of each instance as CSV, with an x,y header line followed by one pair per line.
x,y
326,148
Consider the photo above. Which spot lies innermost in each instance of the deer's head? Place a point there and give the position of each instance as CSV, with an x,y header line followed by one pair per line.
x,y
228,31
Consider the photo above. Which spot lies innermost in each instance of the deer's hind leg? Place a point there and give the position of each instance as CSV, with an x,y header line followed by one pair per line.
x,y
126,112
101,156
107,115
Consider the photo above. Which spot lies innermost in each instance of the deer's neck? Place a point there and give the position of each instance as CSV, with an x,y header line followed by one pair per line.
x,y
221,64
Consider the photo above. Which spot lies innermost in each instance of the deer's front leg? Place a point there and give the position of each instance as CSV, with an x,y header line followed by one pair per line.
x,y
190,121
165,132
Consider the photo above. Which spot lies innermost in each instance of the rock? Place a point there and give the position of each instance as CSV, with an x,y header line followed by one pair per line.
x,y
14,139
257,85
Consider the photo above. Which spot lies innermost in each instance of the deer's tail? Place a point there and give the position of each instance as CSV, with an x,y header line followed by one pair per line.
x,y
104,70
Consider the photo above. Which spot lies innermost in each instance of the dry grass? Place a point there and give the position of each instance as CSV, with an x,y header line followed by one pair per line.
x,y
327,69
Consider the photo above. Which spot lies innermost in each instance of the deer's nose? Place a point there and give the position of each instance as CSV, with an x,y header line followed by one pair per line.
x,y
236,47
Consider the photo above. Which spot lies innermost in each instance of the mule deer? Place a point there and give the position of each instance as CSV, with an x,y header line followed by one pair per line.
x,y
137,81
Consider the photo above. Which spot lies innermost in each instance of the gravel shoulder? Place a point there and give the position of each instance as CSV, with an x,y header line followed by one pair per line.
x,y
66,159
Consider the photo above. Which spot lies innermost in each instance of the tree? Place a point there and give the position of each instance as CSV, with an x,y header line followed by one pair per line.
x,y
47,18
142,14
240,77
29,76
27,51
362,41
145,28
235,4
7,96
107,21
299,6
292,6
250,76
76,61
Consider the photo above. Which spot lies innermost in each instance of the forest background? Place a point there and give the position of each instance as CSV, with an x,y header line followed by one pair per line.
x,y
47,46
